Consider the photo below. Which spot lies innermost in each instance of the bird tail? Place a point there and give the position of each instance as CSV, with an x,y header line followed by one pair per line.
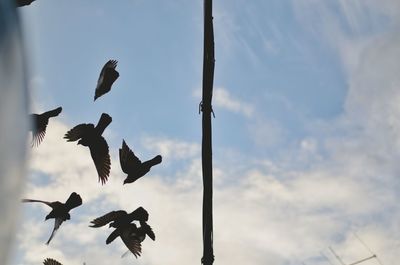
x,y
73,201
104,121
53,113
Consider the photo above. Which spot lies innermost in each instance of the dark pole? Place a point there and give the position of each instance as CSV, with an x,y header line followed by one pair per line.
x,y
206,108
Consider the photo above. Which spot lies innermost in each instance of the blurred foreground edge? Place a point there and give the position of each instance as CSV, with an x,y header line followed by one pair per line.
x,y
13,123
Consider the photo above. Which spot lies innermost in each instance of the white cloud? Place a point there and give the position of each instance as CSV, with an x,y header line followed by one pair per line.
x,y
171,148
271,212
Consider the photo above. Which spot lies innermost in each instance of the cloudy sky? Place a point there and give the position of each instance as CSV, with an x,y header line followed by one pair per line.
x,y
306,137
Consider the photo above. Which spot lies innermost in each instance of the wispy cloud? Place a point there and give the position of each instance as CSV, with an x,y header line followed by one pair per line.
x,y
274,212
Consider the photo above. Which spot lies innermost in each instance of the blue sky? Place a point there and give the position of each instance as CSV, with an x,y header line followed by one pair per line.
x,y
306,134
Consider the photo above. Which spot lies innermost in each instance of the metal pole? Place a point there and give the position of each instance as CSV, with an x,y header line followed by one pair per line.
x,y
206,108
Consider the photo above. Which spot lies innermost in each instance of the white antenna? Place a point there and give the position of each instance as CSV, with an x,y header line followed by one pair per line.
x,y
370,251
373,255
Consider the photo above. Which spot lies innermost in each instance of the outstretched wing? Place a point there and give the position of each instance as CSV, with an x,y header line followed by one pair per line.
x,y
78,132
132,243
39,125
29,200
140,214
49,261
107,77
101,158
129,162
57,223
108,217
73,201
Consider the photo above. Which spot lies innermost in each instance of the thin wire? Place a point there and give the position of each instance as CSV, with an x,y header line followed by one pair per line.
x,y
338,258
323,255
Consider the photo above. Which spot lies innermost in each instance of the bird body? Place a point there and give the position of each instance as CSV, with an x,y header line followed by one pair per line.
x,y
91,136
107,77
60,211
131,164
39,124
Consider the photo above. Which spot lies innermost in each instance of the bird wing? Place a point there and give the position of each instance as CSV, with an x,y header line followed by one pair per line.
x,y
49,261
39,124
148,230
57,223
108,217
37,137
132,243
73,201
45,202
78,132
101,158
129,162
140,214
107,77
52,113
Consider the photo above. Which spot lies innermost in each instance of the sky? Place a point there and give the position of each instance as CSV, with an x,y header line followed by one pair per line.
x,y
306,136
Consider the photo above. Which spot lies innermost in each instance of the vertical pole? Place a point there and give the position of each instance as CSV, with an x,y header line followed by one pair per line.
x,y
206,108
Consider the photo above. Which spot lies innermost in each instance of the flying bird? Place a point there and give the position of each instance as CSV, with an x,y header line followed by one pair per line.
x,y
49,261
133,236
20,3
130,234
132,165
39,124
120,218
107,77
60,211
90,136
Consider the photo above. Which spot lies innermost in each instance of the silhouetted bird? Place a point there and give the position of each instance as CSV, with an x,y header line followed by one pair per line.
x,y
107,77
132,166
49,261
132,236
124,228
120,218
39,124
90,136
60,211
23,2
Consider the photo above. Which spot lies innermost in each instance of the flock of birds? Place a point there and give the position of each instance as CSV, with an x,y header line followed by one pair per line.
x,y
89,135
